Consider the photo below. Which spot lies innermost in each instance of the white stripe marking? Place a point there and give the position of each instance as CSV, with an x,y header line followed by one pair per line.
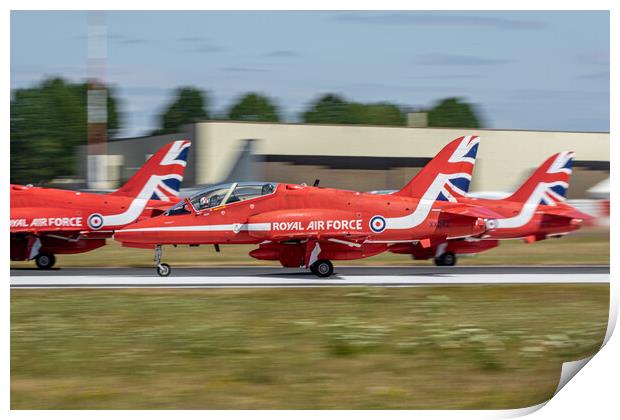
x,y
250,227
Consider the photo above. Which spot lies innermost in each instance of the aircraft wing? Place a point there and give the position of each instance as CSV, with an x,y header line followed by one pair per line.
x,y
344,237
568,212
471,211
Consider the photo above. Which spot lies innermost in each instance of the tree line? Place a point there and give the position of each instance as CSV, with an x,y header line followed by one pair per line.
x,y
49,120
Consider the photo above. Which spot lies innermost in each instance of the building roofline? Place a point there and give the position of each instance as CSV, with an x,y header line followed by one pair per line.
x,y
188,132
395,126
180,133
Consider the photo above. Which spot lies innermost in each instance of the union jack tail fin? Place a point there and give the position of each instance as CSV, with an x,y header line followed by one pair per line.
x,y
549,182
161,176
447,176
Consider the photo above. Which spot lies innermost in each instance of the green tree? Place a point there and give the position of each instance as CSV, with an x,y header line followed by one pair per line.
x,y
333,109
452,112
329,109
377,114
188,106
254,107
47,122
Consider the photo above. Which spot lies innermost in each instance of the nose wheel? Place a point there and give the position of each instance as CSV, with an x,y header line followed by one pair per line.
x,y
163,269
322,268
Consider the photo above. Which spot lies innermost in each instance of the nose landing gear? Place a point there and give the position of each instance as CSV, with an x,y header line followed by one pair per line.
x,y
163,269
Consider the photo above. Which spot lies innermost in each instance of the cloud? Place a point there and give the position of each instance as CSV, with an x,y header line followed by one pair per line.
x,y
200,44
458,60
133,41
192,39
440,19
282,54
242,70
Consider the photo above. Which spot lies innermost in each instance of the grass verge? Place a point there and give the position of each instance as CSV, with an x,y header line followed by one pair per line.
x,y
427,347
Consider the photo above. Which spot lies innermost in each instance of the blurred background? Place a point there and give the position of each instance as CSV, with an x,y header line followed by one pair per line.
x,y
360,100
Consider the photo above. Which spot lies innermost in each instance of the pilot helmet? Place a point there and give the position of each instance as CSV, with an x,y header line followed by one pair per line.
x,y
267,189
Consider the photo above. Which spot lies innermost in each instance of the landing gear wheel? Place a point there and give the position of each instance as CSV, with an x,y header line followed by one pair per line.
x,y
163,270
322,268
45,261
446,259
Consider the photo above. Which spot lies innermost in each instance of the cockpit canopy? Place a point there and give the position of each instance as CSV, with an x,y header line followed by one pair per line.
x,y
219,195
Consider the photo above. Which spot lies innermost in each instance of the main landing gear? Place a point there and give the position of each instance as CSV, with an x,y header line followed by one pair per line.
x,y
322,268
163,269
446,259
45,261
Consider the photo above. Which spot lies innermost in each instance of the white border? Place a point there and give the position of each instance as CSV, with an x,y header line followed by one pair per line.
x,y
593,394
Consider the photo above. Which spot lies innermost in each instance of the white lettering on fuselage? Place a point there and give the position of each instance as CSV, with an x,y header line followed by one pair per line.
x,y
48,222
19,223
355,224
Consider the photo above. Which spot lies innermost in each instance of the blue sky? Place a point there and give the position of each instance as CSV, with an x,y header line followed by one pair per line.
x,y
525,70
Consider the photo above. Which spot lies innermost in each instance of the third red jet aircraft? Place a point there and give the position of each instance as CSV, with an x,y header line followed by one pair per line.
x,y
48,221
535,211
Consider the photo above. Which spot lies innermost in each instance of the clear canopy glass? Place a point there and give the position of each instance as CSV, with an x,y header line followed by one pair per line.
x,y
221,194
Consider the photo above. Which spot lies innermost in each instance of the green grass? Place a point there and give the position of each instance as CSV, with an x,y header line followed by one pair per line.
x,y
427,347
584,247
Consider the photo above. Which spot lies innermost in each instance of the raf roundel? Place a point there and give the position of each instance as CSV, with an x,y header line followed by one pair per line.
x,y
95,221
377,224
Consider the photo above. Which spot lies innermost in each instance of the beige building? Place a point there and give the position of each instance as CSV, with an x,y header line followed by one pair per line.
x,y
368,157
362,157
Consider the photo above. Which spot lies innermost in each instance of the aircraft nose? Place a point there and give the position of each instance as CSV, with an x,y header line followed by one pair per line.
x,y
134,233
128,235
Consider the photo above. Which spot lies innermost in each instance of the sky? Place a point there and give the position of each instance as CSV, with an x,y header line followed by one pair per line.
x,y
539,70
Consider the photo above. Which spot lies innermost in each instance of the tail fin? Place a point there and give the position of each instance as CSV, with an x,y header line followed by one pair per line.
x,y
447,176
548,183
161,176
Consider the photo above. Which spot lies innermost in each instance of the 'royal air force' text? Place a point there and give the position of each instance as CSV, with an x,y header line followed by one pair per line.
x,y
355,224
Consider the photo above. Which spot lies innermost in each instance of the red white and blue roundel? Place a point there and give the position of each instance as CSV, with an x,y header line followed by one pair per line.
x,y
377,224
95,221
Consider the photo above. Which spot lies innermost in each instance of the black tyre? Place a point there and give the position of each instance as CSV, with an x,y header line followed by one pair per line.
x,y
163,270
45,261
322,268
446,259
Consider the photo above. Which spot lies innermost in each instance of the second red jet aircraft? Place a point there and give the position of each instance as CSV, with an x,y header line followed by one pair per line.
x,y
299,225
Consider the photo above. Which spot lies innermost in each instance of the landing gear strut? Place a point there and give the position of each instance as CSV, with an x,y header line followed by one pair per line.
x,y
163,269
45,261
446,259
322,268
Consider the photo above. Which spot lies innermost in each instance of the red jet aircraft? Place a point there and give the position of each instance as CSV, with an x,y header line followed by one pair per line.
x,y
299,225
46,221
536,211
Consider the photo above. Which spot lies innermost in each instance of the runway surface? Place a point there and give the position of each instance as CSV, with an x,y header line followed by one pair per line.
x,y
394,276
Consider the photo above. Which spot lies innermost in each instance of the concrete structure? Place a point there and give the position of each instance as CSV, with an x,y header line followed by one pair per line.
x,y
417,119
367,157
